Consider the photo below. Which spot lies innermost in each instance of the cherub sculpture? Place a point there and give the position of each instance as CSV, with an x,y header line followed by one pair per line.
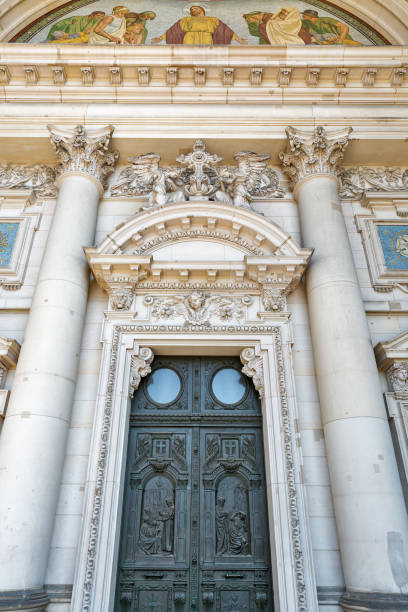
x,y
146,176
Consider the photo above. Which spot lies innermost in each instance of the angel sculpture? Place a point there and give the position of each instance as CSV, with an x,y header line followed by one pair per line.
x,y
250,178
146,176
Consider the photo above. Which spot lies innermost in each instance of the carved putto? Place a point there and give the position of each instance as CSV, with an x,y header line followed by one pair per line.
x,y
199,177
356,181
197,308
398,377
39,178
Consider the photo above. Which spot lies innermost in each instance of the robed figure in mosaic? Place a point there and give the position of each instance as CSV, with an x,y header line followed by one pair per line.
x,y
199,29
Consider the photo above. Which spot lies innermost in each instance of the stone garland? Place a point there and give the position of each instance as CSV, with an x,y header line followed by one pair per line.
x,y
254,370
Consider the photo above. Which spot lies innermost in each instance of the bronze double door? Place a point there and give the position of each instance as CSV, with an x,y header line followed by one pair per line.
x,y
194,532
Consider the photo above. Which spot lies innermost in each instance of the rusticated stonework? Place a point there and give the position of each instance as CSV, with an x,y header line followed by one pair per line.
x,y
83,152
316,152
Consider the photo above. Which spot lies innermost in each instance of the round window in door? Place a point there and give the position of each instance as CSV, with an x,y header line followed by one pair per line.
x,y
229,386
163,386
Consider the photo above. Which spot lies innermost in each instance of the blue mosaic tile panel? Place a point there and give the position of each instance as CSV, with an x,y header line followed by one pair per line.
x,y
8,235
394,242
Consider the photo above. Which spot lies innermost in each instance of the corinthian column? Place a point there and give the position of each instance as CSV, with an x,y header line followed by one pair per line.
x,y
370,514
34,434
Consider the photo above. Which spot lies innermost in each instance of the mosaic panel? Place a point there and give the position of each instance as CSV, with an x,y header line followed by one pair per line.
x,y
219,22
8,235
394,242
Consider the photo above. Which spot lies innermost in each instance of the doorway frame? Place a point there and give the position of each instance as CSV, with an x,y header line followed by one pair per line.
x,y
126,347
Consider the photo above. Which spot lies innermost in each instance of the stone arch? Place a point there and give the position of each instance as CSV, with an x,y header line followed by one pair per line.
x,y
256,251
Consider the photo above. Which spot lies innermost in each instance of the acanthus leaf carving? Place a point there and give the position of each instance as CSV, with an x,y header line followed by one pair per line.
x,y
199,177
355,182
253,368
79,151
310,153
197,308
139,368
39,178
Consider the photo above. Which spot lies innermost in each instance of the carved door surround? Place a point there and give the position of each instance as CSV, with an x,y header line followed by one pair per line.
x,y
175,306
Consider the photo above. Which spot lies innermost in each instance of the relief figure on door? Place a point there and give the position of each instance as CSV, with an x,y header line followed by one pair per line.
x,y
156,535
231,517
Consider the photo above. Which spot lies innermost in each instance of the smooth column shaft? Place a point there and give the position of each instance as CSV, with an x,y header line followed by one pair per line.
x,y
370,512
32,444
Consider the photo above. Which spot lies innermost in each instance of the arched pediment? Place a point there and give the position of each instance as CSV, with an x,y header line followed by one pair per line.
x,y
198,245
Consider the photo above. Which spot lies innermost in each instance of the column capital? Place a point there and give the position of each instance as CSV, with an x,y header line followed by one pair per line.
x,y
83,152
310,153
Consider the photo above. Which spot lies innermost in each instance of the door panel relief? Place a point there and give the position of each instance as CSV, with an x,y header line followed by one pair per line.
x,y
195,520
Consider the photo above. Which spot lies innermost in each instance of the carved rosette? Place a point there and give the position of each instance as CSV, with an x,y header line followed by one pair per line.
x,y
140,367
253,368
311,153
398,377
79,151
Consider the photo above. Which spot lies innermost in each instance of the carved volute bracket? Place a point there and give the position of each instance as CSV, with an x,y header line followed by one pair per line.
x,y
253,368
82,152
313,153
139,368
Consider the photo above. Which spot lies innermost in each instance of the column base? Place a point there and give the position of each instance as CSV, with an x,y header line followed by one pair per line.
x,y
24,600
374,602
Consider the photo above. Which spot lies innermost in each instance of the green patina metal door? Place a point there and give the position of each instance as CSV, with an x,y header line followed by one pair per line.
x,y
194,530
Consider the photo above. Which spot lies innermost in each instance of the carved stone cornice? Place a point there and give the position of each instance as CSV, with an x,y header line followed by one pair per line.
x,y
38,178
82,152
313,153
139,368
253,368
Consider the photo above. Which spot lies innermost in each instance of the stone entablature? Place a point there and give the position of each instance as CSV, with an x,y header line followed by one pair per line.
x,y
233,74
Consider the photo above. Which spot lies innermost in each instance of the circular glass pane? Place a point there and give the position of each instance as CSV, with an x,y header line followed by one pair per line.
x,y
228,386
163,386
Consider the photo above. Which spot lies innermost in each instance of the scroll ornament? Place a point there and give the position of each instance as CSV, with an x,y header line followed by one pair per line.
x,y
253,368
140,367
199,178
